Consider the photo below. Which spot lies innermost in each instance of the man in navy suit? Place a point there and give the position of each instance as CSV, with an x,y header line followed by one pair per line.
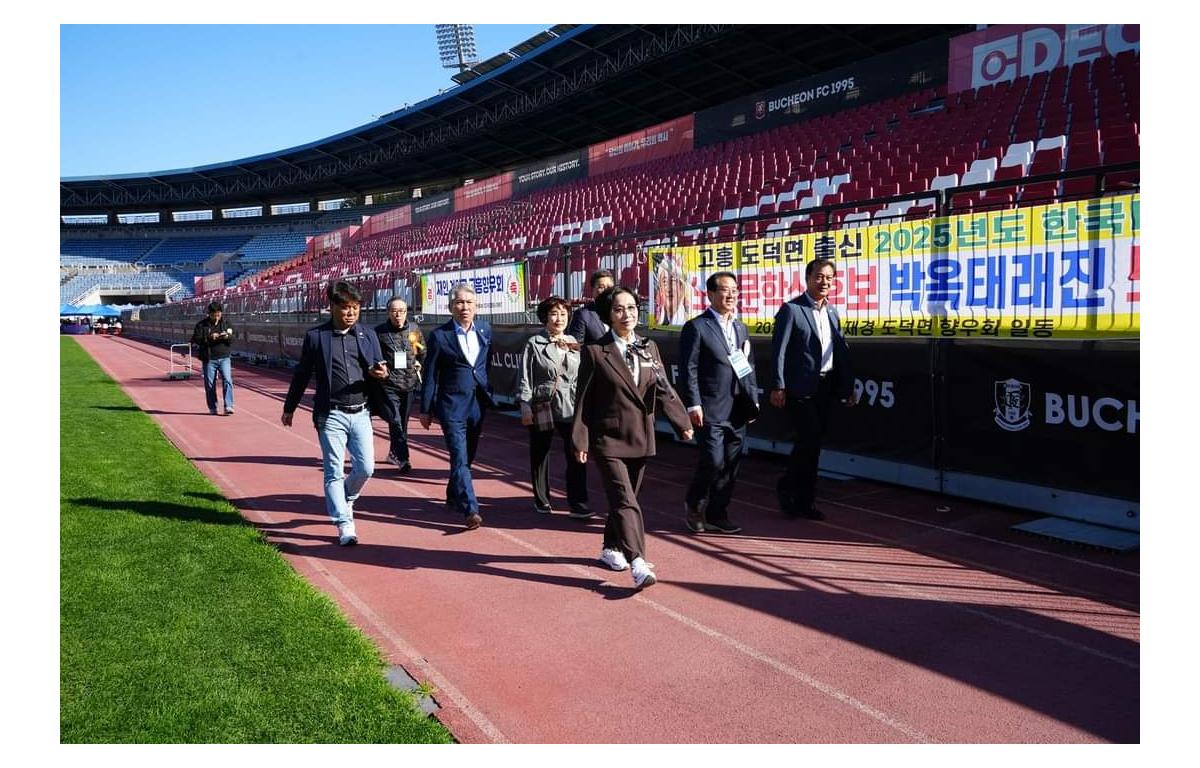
x,y
721,397
349,364
457,391
586,325
810,366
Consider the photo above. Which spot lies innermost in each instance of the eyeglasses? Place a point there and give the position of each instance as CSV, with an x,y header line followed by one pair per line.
x,y
726,291
625,310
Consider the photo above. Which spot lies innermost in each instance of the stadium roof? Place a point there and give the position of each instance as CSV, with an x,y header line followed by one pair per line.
x,y
563,89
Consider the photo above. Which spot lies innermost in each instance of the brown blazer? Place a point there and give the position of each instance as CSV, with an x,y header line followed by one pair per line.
x,y
613,417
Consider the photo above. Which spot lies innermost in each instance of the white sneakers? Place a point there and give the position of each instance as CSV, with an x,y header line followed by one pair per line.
x,y
614,559
642,571
346,534
642,575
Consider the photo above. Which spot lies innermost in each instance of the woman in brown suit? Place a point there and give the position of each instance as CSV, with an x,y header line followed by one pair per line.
x,y
621,381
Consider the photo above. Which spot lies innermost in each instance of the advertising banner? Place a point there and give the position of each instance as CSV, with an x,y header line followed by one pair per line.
x,y
912,68
663,140
431,208
1065,270
387,221
1007,51
327,242
484,191
549,173
498,289
1063,415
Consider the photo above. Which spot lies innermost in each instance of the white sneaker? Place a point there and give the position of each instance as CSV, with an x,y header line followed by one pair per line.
x,y
642,575
614,559
346,534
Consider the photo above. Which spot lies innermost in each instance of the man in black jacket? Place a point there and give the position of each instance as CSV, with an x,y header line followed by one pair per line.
x,y
347,363
214,336
586,325
718,389
404,351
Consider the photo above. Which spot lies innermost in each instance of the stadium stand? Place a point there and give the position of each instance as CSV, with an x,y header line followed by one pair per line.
x,y
834,170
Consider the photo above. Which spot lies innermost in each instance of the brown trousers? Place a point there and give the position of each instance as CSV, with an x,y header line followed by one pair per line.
x,y
625,529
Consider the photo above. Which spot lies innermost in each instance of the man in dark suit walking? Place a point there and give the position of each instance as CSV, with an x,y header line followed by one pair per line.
x,y
457,391
349,364
810,366
721,397
586,324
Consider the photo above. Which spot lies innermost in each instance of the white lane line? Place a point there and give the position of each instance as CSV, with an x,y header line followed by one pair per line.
x,y
415,659
743,648
731,642
913,592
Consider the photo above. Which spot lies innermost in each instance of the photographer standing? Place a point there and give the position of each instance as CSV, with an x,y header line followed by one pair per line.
x,y
214,337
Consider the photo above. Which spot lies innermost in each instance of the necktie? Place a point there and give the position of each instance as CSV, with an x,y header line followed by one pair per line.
x,y
631,362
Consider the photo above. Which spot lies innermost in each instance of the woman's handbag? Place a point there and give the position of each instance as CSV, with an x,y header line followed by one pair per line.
x,y
543,415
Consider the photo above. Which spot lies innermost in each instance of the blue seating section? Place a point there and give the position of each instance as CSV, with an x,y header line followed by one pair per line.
x,y
269,248
194,250
126,250
78,287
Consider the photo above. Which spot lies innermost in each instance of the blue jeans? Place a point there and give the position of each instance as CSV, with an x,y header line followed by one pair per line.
x,y
210,383
338,431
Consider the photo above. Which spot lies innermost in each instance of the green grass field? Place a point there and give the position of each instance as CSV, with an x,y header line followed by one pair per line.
x,y
178,622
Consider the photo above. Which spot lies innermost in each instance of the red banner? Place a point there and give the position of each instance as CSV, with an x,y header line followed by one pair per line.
x,y
663,140
387,221
202,284
326,242
1008,51
483,192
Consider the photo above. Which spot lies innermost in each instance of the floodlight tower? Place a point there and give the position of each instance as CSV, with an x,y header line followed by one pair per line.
x,y
456,46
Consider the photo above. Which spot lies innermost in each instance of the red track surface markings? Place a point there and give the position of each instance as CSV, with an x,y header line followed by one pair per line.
x,y
888,622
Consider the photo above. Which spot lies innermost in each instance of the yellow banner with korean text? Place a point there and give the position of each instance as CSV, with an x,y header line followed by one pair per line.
x,y
1060,270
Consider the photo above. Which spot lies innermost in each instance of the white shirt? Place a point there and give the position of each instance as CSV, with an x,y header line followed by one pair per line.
x,y
727,329
468,341
621,345
825,335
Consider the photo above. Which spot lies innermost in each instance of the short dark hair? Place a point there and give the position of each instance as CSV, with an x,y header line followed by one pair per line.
x,y
601,273
711,282
216,306
816,264
543,309
605,301
342,292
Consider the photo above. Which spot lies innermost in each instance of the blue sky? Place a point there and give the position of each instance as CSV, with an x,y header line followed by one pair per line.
x,y
140,98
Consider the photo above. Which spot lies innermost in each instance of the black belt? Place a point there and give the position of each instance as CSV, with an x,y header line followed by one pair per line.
x,y
348,408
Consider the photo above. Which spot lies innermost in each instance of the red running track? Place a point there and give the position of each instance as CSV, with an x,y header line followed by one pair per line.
x,y
887,622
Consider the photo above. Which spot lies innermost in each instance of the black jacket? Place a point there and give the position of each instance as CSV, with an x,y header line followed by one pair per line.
x,y
212,350
391,341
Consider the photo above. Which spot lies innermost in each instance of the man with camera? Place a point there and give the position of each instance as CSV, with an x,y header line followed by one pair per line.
x,y
214,337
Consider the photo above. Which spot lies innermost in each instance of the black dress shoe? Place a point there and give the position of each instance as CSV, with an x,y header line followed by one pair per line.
x,y
693,518
405,468
785,498
473,521
722,526
812,513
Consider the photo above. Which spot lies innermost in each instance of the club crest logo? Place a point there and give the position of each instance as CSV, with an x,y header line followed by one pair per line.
x,y
760,109
1012,399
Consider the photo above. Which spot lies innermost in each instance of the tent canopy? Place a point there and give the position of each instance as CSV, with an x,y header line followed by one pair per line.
x,y
89,310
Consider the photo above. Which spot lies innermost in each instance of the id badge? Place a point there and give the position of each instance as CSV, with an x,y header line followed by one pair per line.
x,y
399,360
741,366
